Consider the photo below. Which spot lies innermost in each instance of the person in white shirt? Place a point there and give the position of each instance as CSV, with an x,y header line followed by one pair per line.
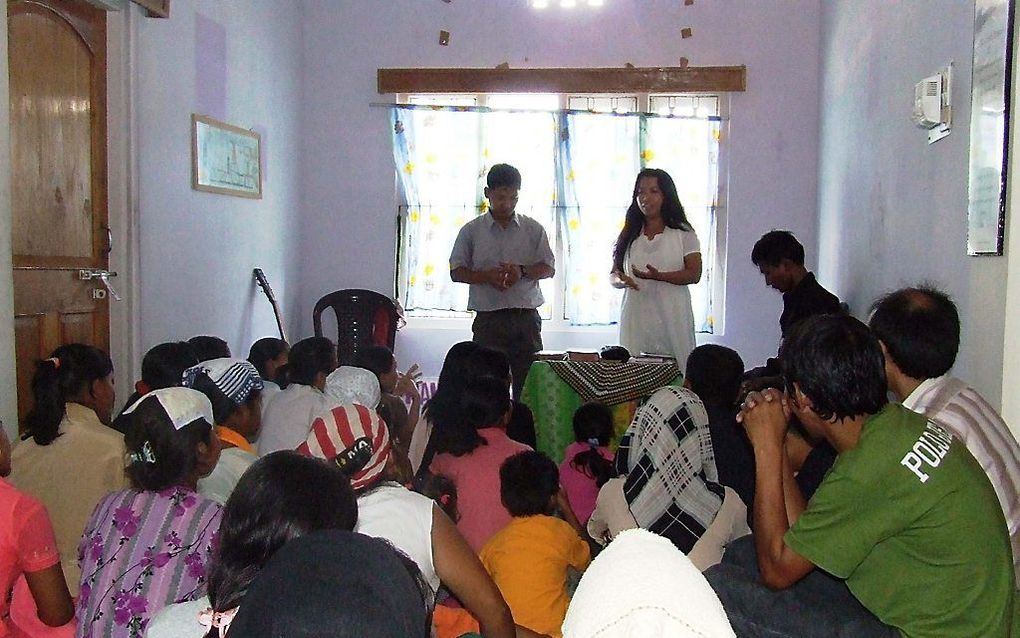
x,y
288,415
919,330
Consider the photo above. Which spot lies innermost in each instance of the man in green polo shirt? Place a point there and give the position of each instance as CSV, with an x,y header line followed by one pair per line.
x,y
906,516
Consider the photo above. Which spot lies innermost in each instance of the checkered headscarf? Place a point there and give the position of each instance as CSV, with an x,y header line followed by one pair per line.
x,y
671,480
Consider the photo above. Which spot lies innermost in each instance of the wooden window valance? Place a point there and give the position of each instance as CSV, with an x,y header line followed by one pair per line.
x,y
689,79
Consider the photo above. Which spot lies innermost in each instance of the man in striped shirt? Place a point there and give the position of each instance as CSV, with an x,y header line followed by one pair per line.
x,y
919,330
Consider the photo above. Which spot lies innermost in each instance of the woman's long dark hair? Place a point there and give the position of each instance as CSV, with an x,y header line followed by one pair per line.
x,y
442,407
282,496
465,362
672,213
57,380
484,401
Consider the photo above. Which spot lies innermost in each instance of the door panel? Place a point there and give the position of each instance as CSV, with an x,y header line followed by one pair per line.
x,y
57,57
51,111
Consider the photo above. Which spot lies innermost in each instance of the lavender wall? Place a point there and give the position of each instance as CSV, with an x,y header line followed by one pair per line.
x,y
892,209
348,227
242,63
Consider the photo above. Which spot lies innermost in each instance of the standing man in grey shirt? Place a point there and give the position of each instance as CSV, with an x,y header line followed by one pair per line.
x,y
502,256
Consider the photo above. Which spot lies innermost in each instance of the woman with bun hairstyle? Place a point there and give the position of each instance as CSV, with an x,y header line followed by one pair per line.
x,y
70,458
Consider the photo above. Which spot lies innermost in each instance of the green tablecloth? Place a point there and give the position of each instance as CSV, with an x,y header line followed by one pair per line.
x,y
554,402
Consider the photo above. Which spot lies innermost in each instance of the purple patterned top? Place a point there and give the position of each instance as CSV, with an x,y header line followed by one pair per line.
x,y
140,552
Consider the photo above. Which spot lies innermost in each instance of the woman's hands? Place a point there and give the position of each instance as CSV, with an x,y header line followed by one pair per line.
x,y
650,272
619,279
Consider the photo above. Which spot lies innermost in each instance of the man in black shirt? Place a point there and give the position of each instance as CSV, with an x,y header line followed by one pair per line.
x,y
780,259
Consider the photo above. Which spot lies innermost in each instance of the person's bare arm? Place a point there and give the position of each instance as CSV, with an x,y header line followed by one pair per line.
x,y
49,589
462,572
690,274
764,419
563,503
539,270
795,503
797,450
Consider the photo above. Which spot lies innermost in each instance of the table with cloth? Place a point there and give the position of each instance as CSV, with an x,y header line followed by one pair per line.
x,y
555,389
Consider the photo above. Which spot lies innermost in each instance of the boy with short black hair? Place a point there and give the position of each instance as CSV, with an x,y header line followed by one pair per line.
x,y
528,559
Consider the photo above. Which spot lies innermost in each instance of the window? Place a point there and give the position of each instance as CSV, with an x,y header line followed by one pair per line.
x,y
578,155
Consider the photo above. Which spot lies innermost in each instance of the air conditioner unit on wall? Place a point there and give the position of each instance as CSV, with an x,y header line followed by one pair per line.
x,y
932,104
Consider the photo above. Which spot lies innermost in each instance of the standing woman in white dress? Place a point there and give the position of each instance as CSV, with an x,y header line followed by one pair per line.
x,y
656,257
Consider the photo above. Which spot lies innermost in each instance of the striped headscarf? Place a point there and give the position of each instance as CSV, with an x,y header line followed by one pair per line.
x,y
353,437
235,378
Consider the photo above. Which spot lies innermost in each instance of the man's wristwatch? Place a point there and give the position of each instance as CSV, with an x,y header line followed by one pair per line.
x,y
524,271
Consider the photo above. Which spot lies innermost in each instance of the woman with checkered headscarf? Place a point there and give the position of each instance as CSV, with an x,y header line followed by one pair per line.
x,y
668,483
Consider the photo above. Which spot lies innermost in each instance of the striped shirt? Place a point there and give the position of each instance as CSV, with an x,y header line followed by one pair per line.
x,y
141,552
958,407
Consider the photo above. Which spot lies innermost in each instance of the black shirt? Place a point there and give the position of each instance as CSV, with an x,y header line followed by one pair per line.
x,y
807,299
734,457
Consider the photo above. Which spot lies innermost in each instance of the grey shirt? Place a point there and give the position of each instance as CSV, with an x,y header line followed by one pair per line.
x,y
482,244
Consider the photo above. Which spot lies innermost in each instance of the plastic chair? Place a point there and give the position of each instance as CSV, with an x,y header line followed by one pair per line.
x,y
363,317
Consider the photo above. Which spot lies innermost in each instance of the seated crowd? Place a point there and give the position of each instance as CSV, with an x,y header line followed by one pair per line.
x,y
286,495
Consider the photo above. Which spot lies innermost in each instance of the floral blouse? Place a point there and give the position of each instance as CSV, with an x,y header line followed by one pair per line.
x,y
140,552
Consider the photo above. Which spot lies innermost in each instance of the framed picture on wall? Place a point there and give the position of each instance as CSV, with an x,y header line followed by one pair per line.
x,y
156,8
225,159
989,126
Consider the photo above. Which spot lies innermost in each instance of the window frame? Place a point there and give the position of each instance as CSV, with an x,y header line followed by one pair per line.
x,y
557,322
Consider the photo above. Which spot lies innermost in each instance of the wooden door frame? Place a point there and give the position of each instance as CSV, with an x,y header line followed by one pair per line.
x,y
8,371
122,184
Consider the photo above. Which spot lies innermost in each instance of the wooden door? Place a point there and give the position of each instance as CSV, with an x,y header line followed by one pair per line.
x,y
57,57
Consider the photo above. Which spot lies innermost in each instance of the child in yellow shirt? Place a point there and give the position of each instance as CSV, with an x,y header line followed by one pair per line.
x,y
529,557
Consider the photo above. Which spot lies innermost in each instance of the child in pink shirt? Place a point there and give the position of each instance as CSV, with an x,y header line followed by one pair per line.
x,y
470,451
587,463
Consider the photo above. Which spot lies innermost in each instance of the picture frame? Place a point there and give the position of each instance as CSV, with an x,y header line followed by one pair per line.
x,y
155,8
989,127
225,159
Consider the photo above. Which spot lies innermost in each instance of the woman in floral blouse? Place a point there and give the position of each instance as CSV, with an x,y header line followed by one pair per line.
x,y
148,547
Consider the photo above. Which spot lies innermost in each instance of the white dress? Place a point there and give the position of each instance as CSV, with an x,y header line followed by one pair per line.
x,y
658,317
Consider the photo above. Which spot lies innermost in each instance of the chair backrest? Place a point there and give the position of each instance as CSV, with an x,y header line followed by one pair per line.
x,y
363,317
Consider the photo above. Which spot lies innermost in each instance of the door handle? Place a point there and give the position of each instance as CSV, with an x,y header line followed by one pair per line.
x,y
88,274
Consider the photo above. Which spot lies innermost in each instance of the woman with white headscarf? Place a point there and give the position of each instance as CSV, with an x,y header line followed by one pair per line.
x,y
641,586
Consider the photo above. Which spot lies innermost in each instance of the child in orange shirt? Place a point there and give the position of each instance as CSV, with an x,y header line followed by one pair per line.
x,y
529,557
